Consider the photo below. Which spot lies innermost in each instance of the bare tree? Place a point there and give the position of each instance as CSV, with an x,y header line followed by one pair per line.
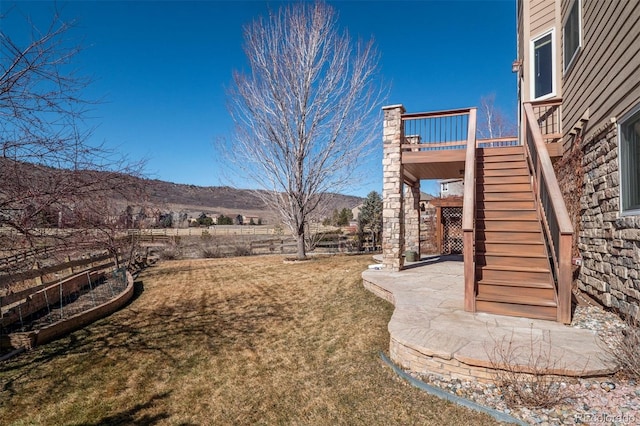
x,y
305,111
47,165
103,220
492,121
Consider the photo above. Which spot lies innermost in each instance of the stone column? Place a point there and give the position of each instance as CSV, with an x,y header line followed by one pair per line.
x,y
412,217
392,209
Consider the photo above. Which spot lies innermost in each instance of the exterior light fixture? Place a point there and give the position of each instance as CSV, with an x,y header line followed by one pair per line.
x,y
516,65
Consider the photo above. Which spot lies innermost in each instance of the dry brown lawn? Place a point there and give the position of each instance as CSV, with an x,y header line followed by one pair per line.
x,y
246,340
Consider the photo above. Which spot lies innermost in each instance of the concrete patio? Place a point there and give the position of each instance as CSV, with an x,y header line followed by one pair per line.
x,y
430,332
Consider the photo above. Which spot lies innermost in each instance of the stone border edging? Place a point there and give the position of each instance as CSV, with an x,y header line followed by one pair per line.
x,y
498,415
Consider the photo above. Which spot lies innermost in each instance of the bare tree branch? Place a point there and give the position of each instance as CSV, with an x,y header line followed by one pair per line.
x,y
48,168
492,122
306,111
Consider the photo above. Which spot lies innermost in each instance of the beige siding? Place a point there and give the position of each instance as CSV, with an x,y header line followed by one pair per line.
x,y
537,17
542,16
520,29
605,77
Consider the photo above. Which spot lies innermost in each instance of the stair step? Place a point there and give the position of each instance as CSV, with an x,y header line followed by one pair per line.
x,y
511,260
531,225
505,150
505,196
500,158
516,283
503,179
511,235
505,204
508,214
517,310
513,273
503,187
524,249
498,165
513,171
519,295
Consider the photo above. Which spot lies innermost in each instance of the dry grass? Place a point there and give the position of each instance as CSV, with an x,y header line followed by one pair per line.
x,y
227,341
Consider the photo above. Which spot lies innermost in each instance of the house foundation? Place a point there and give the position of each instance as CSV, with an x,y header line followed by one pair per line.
x,y
609,242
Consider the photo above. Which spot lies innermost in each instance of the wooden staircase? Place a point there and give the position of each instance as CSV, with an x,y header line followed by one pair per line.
x,y
513,272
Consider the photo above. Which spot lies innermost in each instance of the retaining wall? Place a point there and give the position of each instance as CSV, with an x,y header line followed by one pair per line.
x,y
58,329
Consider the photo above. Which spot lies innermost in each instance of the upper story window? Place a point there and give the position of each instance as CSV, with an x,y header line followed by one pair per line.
x,y
629,133
571,32
543,65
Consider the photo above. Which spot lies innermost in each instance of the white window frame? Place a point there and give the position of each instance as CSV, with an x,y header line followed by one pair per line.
x,y
532,68
621,122
567,64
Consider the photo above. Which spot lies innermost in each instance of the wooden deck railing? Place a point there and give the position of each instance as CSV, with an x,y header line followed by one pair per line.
x,y
469,215
548,115
556,221
433,131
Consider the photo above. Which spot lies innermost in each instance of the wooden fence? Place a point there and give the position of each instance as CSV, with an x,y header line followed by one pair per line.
x,y
41,276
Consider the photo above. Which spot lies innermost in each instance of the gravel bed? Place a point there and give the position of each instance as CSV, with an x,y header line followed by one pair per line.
x,y
609,401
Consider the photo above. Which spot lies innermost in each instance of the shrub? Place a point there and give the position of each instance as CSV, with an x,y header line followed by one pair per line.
x,y
211,252
624,348
522,373
242,250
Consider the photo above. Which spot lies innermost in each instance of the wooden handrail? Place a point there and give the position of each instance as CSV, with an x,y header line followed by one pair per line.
x,y
443,113
555,216
548,172
470,175
468,215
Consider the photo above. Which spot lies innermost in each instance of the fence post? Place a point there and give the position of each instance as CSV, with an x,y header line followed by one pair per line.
x,y
38,278
68,260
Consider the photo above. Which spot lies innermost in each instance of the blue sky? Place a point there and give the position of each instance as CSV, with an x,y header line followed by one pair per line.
x,y
161,68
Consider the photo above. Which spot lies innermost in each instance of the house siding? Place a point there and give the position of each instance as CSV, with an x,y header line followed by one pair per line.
x,y
603,84
542,16
536,17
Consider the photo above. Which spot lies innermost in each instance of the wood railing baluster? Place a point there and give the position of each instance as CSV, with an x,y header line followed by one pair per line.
x,y
556,220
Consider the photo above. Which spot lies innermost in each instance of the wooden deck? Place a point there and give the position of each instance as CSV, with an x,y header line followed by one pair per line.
x,y
514,231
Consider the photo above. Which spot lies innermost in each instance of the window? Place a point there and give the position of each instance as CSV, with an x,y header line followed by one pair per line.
x,y
543,65
571,34
629,132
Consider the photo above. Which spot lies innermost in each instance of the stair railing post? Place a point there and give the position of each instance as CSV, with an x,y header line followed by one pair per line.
x,y
564,278
468,216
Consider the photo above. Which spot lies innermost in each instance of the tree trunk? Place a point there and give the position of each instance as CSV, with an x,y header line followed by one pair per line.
x,y
301,254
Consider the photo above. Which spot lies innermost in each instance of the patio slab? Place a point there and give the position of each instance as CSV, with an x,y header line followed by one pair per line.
x,y
430,332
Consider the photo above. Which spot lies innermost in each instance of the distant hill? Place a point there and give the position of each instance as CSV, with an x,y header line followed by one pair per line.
x,y
161,196
216,200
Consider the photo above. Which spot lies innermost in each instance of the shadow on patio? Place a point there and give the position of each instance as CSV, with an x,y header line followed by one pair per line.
x,y
432,333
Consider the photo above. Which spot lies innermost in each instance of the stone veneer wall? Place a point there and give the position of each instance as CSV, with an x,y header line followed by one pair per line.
x,y
609,243
412,217
392,187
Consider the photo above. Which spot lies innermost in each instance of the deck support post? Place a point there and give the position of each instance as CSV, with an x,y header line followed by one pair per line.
x,y
412,217
392,190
